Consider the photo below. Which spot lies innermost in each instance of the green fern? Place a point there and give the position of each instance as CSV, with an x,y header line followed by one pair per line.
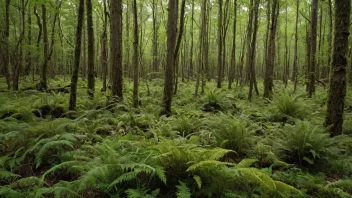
x,y
183,191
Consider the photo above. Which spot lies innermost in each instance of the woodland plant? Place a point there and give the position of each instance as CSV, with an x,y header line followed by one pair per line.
x,y
231,133
305,144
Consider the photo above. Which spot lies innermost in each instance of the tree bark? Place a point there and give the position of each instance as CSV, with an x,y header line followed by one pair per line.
x,y
269,71
220,42
74,79
43,81
233,55
313,41
116,48
170,61
337,91
295,56
90,30
104,53
135,56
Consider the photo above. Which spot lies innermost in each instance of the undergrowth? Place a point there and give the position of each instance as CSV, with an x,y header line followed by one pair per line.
x,y
216,145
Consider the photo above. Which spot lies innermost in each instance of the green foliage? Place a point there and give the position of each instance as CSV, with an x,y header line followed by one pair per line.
x,y
183,191
290,106
305,143
231,133
113,150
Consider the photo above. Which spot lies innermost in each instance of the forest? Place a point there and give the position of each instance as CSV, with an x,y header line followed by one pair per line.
x,y
175,98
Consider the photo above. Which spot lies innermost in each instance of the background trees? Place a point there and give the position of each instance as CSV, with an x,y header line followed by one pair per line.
x,y
295,41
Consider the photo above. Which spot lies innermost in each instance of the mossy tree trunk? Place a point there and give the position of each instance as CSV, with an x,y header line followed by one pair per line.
x,y
337,89
116,48
269,70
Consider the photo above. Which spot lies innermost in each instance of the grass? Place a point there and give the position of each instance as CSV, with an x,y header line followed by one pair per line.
x,y
216,145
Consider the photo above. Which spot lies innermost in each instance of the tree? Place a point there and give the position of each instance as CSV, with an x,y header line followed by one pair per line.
x,y
116,48
170,59
220,43
294,77
313,48
43,80
178,42
104,50
135,55
5,48
74,79
233,55
90,30
337,88
270,59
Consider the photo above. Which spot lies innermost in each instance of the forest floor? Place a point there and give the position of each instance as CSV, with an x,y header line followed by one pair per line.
x,y
216,145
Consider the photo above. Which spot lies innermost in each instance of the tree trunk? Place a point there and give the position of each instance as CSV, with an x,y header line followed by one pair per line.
x,y
155,40
5,52
116,48
43,80
74,79
29,42
135,56
233,55
337,91
269,71
220,48
295,56
90,30
170,61
312,65
178,43
104,53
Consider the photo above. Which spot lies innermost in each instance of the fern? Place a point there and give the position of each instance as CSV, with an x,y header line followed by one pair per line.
x,y
183,191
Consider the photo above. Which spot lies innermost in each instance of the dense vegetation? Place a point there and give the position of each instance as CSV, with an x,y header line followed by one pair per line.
x,y
218,145
127,98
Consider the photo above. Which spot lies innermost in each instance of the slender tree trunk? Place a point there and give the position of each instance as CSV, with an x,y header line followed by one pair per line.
x,y
337,91
90,30
170,61
295,56
286,57
269,71
74,79
5,55
29,42
178,43
233,55
220,42
135,55
155,39
190,70
312,65
116,48
84,52
43,80
104,53
329,38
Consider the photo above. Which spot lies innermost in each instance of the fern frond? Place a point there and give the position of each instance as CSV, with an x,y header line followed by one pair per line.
x,y
198,181
246,163
51,145
183,191
28,182
7,175
207,163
